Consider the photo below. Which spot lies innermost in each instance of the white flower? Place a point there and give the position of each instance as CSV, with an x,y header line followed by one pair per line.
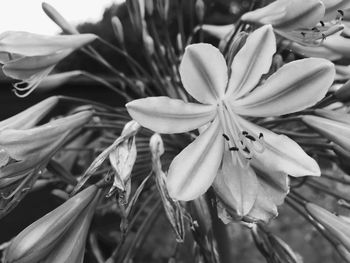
x,y
231,143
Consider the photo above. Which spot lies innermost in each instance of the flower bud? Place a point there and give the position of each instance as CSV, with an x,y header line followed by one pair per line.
x,y
31,116
56,17
118,30
163,8
343,94
149,7
36,242
200,10
24,153
336,131
338,227
54,81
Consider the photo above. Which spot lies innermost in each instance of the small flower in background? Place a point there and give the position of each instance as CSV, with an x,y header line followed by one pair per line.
x,y
60,235
299,21
25,153
231,145
31,57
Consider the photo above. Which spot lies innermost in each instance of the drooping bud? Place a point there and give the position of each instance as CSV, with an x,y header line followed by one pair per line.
x,y
39,239
172,208
56,17
338,227
118,30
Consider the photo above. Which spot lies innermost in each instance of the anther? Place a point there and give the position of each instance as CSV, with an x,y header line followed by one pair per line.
x,y
341,12
302,33
323,36
226,137
246,150
322,23
261,135
250,137
315,29
244,132
233,149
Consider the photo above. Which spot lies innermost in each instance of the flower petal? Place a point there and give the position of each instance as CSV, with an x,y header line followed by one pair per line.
x,y
203,72
26,67
318,51
193,171
251,62
288,14
165,115
273,188
295,86
236,186
281,154
29,44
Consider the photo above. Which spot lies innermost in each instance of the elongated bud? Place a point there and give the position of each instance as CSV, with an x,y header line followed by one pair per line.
x,y
343,94
149,7
136,15
235,47
338,132
172,208
343,158
163,8
56,17
338,227
72,246
272,246
31,116
148,42
54,81
200,10
36,241
118,30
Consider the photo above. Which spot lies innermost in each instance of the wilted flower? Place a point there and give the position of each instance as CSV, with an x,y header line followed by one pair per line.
x,y
337,226
172,207
58,236
25,152
297,20
231,143
122,159
30,57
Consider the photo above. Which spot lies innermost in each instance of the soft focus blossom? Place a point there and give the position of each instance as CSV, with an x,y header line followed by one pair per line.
x,y
231,145
30,57
25,152
60,235
299,20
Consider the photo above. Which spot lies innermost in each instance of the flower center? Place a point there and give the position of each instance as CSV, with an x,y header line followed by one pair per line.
x,y
242,143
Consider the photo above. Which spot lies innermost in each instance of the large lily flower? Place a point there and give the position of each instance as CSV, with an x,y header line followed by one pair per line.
x,y
231,143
